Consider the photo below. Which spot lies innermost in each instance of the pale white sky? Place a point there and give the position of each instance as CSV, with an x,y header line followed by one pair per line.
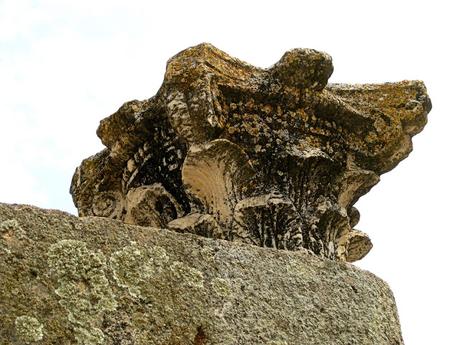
x,y
64,65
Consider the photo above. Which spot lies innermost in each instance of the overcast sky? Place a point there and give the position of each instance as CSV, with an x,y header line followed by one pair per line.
x,y
65,65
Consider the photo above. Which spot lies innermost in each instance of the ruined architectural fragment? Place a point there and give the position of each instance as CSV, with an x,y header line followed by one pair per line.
x,y
273,157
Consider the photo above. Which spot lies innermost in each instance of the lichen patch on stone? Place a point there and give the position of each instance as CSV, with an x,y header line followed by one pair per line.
x,y
134,266
10,233
186,275
83,288
28,329
221,287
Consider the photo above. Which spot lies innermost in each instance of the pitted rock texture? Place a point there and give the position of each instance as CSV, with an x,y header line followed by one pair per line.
x,y
275,157
92,280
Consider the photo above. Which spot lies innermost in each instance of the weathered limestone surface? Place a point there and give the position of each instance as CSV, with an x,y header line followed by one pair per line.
x,y
274,157
91,280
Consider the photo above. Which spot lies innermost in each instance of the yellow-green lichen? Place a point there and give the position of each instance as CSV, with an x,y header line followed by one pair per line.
x,y
12,226
221,287
10,233
186,274
83,289
28,329
9,224
133,266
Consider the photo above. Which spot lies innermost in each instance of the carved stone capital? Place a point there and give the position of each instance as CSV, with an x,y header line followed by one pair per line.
x,y
275,157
